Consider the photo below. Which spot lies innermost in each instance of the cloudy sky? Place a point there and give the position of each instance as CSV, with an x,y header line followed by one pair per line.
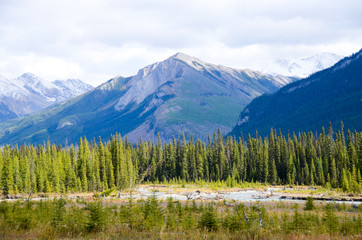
x,y
94,40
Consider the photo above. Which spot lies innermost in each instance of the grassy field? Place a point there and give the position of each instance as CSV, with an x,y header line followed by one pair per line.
x,y
169,219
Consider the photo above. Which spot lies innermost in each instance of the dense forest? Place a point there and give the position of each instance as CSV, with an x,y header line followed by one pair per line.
x,y
329,159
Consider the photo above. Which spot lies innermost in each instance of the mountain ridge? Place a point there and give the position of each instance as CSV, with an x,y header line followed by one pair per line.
x,y
28,94
168,97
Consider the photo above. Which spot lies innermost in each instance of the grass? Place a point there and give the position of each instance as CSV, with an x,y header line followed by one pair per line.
x,y
317,190
153,219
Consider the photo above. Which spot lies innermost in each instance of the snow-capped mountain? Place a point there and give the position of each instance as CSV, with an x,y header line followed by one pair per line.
x,y
302,67
29,93
179,94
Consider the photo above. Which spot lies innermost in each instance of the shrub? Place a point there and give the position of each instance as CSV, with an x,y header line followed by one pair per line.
x,y
58,211
153,213
208,219
309,205
96,216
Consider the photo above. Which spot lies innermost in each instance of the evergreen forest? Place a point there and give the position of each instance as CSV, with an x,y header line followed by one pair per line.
x,y
329,159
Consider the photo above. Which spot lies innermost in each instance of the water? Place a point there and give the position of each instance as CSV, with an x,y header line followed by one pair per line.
x,y
242,196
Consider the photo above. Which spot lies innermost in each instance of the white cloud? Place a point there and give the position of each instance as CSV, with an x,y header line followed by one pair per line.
x,y
97,39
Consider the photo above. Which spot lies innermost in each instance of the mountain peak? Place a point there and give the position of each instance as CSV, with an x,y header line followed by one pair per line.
x,y
190,60
185,57
28,75
181,55
31,80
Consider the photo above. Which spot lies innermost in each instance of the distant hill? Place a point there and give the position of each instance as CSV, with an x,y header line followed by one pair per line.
x,y
29,93
332,95
302,67
181,93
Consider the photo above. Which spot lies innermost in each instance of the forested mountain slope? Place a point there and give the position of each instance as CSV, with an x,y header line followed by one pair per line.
x,y
332,95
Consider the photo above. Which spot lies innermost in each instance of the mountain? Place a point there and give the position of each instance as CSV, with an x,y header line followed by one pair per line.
x,y
302,67
29,93
181,93
332,95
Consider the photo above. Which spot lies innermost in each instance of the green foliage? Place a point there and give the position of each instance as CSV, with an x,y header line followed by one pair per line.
x,y
344,181
153,214
330,219
96,216
107,192
304,159
151,219
59,210
309,204
208,219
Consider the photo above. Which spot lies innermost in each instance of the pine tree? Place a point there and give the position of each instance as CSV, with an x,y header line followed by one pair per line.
x,y
109,169
291,171
102,166
16,174
273,172
82,165
312,173
96,171
183,158
333,174
319,172
191,160
130,170
265,171
7,180
344,181
353,182
200,166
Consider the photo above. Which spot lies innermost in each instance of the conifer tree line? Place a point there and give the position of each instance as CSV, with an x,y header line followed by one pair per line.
x,y
329,159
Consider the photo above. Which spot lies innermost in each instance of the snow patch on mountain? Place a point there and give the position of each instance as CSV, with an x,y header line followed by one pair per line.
x,y
302,67
29,93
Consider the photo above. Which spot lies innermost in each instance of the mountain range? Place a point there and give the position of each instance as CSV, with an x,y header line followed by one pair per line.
x,y
29,93
302,67
332,95
179,94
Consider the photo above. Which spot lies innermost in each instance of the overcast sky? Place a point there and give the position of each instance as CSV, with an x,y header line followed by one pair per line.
x,y
95,40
